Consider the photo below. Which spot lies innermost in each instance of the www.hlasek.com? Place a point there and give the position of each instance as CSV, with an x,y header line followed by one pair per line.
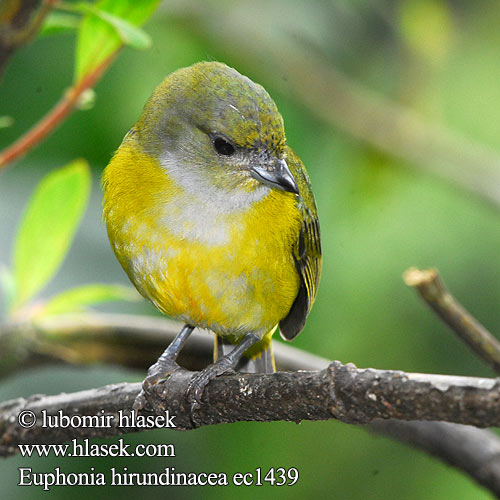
x,y
275,476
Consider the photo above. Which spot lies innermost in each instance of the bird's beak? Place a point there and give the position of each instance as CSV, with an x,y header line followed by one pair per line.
x,y
276,174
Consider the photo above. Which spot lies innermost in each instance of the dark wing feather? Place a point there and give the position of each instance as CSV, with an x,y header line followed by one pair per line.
x,y
306,252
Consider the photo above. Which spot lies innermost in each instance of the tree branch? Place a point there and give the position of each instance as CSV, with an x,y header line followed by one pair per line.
x,y
136,341
433,291
344,392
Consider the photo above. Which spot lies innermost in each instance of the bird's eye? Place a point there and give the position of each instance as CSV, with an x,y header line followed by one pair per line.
x,y
223,147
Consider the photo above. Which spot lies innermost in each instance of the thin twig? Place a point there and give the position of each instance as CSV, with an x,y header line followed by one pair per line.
x,y
432,289
55,116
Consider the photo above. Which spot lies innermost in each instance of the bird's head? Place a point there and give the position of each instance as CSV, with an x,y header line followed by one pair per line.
x,y
208,125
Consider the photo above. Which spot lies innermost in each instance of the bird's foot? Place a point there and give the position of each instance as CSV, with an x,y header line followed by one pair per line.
x,y
161,369
199,381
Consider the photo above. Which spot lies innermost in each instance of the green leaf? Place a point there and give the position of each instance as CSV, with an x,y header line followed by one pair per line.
x,y
106,26
48,226
128,33
80,297
59,22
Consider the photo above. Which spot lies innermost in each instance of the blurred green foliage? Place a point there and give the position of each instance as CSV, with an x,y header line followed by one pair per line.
x,y
44,236
378,214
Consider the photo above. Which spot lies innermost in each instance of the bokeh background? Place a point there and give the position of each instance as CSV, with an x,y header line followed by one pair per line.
x,y
384,206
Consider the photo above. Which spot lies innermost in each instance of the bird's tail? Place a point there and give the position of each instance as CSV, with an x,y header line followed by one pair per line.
x,y
258,359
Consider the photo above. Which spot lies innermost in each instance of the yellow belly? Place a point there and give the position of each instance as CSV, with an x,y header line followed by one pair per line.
x,y
228,291
240,278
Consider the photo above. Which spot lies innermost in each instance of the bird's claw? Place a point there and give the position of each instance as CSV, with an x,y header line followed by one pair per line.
x,y
141,401
156,372
197,384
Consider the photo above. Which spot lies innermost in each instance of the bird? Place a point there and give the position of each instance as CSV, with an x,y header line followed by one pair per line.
x,y
212,216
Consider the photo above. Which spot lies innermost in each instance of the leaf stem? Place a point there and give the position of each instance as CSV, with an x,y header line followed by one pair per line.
x,y
55,116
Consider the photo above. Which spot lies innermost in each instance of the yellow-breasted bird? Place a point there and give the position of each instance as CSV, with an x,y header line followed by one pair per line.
x,y
212,217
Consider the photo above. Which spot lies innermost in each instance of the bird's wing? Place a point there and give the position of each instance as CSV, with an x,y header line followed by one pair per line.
x,y
306,252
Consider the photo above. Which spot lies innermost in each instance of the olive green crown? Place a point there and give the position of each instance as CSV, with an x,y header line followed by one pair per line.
x,y
216,99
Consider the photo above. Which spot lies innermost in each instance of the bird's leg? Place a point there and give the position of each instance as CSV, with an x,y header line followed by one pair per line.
x,y
164,366
222,365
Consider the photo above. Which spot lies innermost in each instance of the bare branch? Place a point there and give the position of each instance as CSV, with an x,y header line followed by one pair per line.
x,y
136,341
432,289
344,392
126,340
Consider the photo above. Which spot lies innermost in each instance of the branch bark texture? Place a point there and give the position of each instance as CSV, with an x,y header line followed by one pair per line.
x,y
344,392
136,341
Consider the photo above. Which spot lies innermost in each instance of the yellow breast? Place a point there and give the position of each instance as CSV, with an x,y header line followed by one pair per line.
x,y
209,263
